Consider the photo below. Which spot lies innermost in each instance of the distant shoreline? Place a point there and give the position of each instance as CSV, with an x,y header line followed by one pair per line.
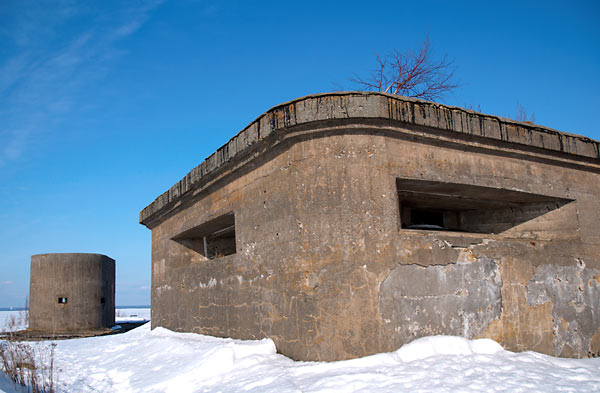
x,y
23,308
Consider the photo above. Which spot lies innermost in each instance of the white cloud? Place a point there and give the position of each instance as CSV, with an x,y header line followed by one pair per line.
x,y
51,67
15,146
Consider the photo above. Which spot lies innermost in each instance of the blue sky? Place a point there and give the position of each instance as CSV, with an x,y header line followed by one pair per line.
x,y
105,105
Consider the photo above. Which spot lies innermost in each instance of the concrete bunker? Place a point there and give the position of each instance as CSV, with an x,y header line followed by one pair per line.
x,y
71,292
346,224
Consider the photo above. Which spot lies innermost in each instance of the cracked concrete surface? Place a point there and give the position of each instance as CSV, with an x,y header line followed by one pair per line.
x,y
574,293
459,298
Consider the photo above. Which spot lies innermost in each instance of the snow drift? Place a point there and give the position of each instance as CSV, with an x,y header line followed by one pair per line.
x,y
164,361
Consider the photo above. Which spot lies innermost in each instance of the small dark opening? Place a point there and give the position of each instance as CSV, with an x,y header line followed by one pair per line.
x,y
102,300
62,300
421,217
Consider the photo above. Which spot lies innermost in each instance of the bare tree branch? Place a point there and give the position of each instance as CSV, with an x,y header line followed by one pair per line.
x,y
411,74
521,114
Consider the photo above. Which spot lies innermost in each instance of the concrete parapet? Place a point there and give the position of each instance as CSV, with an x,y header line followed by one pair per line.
x,y
358,107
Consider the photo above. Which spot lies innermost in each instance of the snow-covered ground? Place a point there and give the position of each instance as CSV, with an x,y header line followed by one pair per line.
x,y
13,320
163,361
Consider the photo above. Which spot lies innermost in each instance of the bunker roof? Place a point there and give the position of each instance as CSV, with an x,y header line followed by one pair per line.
x,y
270,128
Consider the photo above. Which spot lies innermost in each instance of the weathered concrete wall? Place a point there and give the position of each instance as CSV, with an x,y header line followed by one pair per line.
x,y
85,281
324,266
460,298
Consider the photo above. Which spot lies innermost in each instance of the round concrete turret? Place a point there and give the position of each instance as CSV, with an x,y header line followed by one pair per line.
x,y
71,291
